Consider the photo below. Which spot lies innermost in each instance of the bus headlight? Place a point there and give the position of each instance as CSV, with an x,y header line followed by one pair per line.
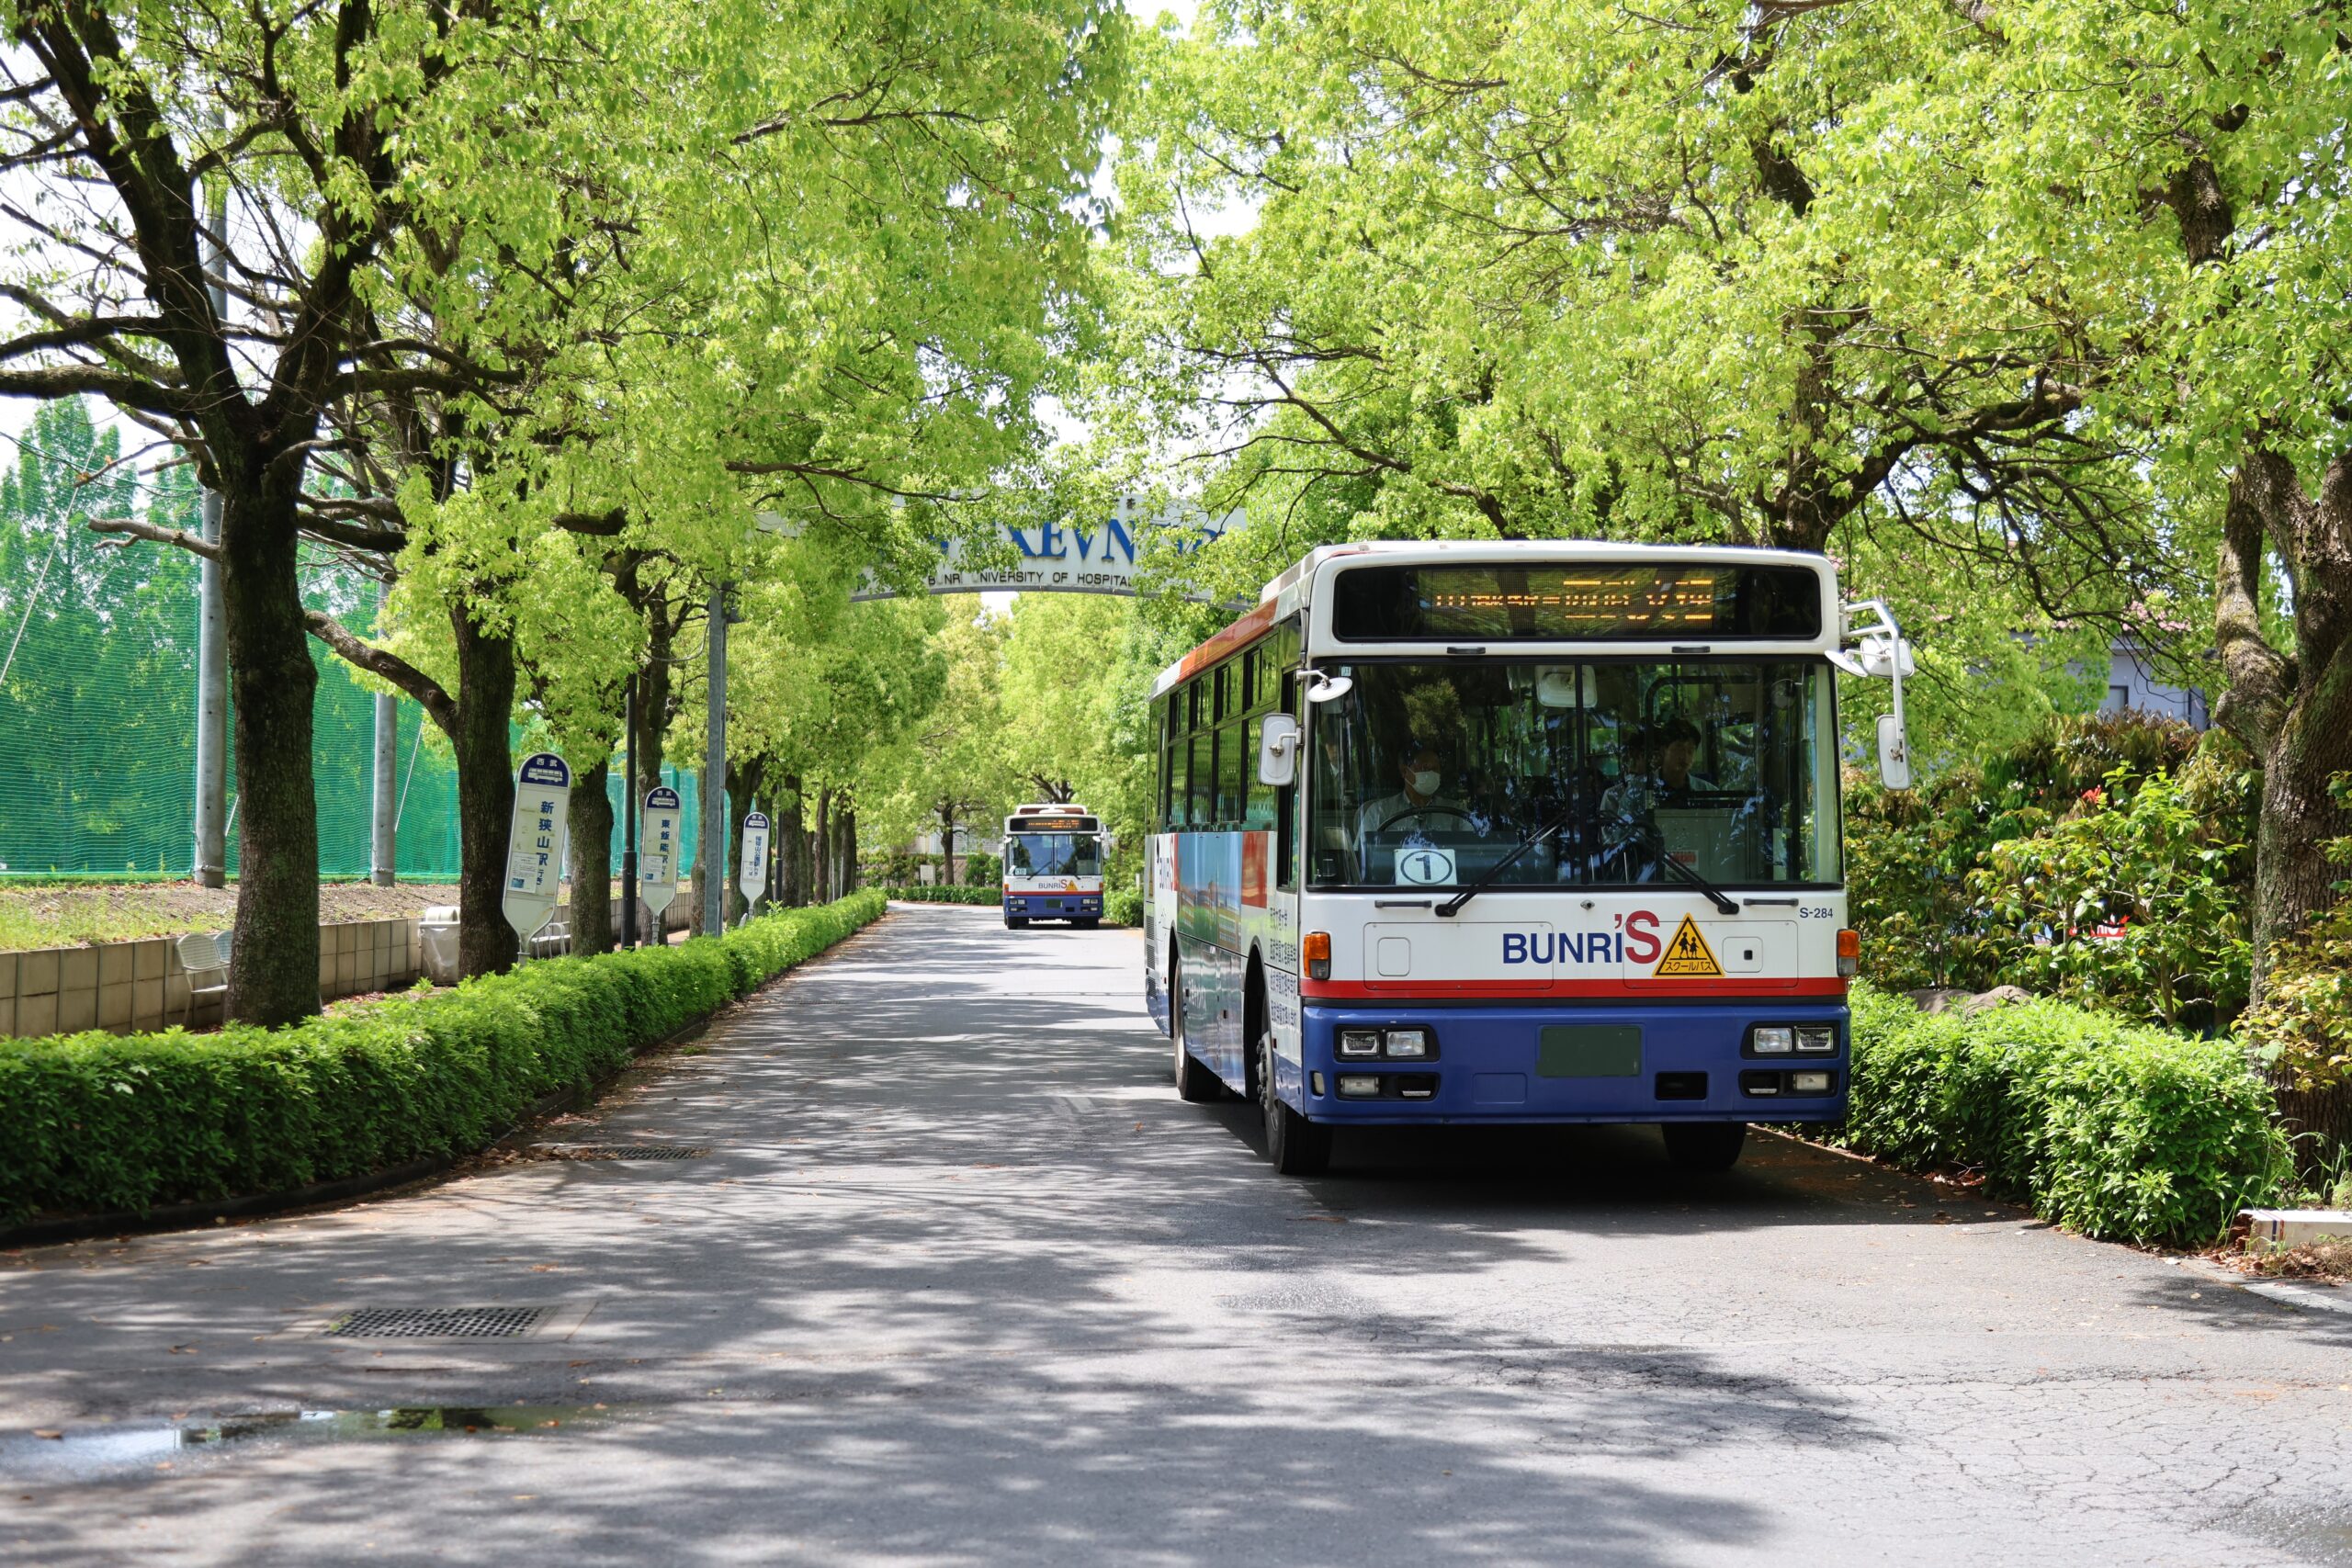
x,y
1359,1086
1778,1040
1817,1040
1359,1043
1413,1044
1808,1083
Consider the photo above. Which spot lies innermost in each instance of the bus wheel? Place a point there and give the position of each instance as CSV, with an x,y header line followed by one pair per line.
x,y
1193,1081
1296,1145
1704,1145
1016,922
1089,923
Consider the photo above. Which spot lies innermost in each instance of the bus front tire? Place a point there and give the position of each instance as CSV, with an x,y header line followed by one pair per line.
x,y
1087,923
1193,1081
1016,922
1295,1145
1704,1145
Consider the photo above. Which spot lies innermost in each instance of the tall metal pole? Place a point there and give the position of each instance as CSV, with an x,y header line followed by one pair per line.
x,y
713,776
384,816
211,827
629,808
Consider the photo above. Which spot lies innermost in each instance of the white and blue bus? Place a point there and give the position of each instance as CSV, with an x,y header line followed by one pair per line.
x,y
1514,832
1053,865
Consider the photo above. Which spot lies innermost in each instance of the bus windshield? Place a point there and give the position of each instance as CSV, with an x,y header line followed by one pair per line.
x,y
1052,854
1431,774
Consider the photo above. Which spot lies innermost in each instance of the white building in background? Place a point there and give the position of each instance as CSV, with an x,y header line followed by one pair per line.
x,y
2132,683
981,841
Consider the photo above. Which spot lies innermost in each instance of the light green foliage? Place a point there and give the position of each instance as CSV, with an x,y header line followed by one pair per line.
x,y
99,1121
1077,682
2133,903
2115,1130
816,685
949,770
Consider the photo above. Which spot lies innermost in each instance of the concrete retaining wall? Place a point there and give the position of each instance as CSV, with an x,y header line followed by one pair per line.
x,y
129,986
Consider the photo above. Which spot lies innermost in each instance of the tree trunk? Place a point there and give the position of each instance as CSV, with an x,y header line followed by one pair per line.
x,y
653,714
849,848
822,890
2295,714
485,703
792,838
591,862
274,972
948,847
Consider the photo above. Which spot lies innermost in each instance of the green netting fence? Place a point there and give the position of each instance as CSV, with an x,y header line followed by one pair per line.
x,y
97,719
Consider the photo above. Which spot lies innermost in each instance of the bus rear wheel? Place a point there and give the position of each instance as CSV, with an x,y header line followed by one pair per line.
x,y
1704,1145
1193,1081
1295,1145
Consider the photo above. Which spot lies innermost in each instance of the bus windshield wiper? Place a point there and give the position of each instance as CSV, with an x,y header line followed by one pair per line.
x,y
1559,819
1715,895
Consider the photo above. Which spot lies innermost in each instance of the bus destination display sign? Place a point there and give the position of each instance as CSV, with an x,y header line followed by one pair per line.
x,y
1575,602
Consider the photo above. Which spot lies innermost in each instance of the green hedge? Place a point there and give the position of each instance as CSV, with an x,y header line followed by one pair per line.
x,y
936,893
2116,1129
99,1121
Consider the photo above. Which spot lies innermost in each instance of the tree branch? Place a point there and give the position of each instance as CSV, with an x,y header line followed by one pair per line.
x,y
138,530
386,665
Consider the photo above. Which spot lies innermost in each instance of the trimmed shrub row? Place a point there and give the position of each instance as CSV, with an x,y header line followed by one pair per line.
x,y
938,893
97,1123
2116,1129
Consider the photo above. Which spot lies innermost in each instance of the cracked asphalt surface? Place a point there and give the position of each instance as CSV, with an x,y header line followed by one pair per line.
x,y
962,1282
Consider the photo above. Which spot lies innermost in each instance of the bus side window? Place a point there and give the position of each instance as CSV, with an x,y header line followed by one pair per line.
x,y
1257,796
1232,771
1286,798
1203,780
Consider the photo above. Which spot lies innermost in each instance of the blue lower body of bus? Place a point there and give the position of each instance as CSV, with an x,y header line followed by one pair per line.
x,y
1616,1062
1053,906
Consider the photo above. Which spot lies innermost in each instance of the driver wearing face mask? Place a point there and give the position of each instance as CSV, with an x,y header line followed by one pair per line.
x,y
1419,806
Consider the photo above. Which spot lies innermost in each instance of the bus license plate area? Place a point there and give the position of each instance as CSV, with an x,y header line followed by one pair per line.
x,y
1549,1062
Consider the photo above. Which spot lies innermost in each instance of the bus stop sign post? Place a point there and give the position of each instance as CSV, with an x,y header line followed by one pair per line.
x,y
657,875
753,877
535,844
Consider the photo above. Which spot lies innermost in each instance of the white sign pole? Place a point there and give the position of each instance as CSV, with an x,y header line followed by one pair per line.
x,y
754,878
534,843
657,862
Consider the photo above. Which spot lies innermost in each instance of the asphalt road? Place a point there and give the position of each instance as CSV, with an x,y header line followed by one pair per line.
x,y
961,1280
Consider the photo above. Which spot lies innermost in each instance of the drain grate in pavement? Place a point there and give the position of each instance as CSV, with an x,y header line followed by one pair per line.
x,y
438,1323
625,1151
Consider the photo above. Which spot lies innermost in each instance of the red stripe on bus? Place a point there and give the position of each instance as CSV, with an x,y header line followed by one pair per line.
x,y
1243,630
1630,990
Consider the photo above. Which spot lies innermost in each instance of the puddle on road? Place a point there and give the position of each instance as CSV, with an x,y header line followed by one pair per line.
x,y
116,1450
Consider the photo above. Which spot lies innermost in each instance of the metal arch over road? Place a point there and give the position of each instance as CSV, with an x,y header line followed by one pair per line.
x,y
960,1280
1070,558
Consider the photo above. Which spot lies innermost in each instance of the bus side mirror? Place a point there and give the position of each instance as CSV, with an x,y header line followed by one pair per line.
x,y
1894,753
1277,750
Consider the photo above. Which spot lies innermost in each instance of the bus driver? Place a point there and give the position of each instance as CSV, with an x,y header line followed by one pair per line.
x,y
1416,805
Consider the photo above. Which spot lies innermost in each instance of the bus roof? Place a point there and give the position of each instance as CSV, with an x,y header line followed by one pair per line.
x,y
1305,584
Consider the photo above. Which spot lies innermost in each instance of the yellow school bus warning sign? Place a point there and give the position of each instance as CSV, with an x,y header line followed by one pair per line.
x,y
1688,956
